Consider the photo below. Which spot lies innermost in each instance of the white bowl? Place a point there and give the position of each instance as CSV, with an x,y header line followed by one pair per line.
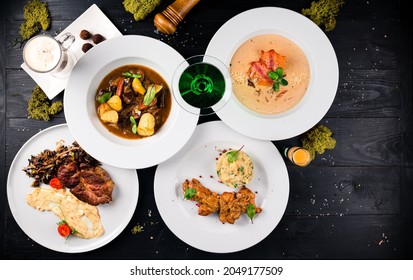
x,y
80,112
321,57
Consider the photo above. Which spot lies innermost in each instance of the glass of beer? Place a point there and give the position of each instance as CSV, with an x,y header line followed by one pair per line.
x,y
45,54
202,85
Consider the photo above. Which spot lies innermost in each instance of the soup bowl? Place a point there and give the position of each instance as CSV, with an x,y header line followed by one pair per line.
x,y
323,71
82,118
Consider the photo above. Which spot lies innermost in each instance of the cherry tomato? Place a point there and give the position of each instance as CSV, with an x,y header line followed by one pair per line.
x,y
64,230
55,183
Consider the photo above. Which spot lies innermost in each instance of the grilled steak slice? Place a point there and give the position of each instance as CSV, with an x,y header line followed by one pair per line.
x,y
69,175
92,184
95,186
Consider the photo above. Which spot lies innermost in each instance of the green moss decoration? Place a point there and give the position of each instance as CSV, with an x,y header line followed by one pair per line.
x,y
324,12
36,17
317,140
40,107
140,8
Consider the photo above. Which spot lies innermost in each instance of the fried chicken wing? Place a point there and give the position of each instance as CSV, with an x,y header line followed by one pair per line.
x,y
229,205
208,201
233,204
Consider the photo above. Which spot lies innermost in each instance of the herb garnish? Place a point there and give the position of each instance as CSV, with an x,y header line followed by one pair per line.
x,y
104,97
64,229
233,155
129,74
277,77
189,193
250,211
150,95
72,230
133,121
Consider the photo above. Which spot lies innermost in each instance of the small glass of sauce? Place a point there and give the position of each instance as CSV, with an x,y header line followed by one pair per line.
x,y
298,155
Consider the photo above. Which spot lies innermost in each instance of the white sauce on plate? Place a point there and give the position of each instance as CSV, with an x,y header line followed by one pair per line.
x,y
81,216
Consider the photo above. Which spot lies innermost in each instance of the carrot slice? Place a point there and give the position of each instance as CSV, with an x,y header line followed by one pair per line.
x,y
119,88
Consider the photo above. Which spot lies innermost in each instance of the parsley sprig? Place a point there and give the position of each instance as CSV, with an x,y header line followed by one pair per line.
x,y
250,211
233,155
278,78
189,193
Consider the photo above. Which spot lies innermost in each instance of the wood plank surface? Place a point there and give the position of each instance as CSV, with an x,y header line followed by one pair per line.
x,y
339,191
3,176
406,188
356,146
313,238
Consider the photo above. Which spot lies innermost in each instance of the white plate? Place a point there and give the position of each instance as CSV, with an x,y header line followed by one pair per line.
x,y
79,103
41,226
323,70
197,160
94,20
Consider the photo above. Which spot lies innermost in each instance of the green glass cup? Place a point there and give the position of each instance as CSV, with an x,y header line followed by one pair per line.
x,y
202,85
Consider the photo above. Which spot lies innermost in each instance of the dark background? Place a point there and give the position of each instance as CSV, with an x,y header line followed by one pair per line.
x,y
353,202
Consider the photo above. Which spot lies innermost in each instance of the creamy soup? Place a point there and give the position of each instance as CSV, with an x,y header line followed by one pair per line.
x,y
261,98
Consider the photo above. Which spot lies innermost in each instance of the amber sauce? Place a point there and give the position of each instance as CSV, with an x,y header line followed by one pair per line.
x,y
299,156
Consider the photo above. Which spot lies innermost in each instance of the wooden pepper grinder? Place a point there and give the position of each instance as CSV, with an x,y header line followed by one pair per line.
x,y
168,20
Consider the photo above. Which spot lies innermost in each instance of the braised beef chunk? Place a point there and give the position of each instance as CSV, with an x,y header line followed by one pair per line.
x,y
95,186
161,99
91,184
127,97
69,175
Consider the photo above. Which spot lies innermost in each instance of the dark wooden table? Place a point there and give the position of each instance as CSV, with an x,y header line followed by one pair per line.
x,y
354,202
